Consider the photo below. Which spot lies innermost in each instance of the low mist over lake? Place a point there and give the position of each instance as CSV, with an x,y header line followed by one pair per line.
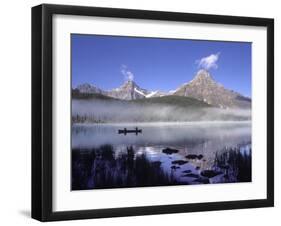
x,y
174,110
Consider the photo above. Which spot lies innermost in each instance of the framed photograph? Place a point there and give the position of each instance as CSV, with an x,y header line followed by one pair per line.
x,y
145,112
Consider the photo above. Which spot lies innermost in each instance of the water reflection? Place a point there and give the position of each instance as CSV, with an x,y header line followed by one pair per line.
x,y
163,154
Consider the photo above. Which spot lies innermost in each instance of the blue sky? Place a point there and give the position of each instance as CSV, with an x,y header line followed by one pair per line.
x,y
158,64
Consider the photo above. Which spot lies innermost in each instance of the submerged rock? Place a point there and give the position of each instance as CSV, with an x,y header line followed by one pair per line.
x,y
170,151
193,156
210,173
179,162
199,157
175,167
191,175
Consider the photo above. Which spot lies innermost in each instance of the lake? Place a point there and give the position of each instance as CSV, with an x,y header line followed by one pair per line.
x,y
162,154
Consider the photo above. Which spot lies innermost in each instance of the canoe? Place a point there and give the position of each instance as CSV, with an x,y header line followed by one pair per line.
x,y
125,130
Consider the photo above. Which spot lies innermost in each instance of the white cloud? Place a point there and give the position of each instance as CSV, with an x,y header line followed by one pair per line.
x,y
128,75
209,61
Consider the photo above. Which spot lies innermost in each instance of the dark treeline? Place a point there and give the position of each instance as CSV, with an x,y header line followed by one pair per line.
x,y
86,119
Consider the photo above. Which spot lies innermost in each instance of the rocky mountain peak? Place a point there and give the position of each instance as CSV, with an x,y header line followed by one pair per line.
x,y
88,88
129,84
202,76
203,87
84,85
129,91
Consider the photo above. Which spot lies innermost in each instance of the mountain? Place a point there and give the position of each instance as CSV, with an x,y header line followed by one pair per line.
x,y
178,101
130,91
156,94
89,89
76,95
203,87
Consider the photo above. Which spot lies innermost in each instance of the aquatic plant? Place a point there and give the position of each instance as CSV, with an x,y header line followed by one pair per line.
x,y
235,163
99,168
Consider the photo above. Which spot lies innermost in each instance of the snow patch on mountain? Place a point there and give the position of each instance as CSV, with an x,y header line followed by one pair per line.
x,y
139,92
151,94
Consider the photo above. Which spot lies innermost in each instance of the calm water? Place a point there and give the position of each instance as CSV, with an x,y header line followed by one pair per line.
x,y
163,154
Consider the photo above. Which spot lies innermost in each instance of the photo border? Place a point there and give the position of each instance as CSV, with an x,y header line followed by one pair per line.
x,y
133,37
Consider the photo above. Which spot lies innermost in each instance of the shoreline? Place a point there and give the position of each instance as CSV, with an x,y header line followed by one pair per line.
x,y
164,123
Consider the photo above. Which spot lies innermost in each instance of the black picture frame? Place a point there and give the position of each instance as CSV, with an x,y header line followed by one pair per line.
x,y
42,111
